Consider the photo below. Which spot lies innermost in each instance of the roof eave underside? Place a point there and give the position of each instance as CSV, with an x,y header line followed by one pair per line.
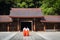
x,y
50,21
26,17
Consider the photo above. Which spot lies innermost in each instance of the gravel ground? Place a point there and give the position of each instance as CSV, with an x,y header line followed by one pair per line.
x,y
49,35
6,35
33,36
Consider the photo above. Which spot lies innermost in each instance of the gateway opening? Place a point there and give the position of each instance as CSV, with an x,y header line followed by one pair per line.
x,y
25,24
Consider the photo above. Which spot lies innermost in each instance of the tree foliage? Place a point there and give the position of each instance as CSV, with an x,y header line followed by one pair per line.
x,y
27,3
51,7
5,7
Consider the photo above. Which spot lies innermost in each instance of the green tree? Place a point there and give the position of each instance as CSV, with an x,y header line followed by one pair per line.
x,y
5,7
28,3
51,7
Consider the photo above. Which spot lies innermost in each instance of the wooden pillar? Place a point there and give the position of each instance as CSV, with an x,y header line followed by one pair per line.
x,y
54,27
18,25
44,27
34,25
32,28
8,28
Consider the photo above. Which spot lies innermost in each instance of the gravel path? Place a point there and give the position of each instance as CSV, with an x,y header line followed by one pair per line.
x,y
6,35
33,36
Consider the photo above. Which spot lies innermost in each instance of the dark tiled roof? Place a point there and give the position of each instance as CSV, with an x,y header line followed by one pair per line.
x,y
26,12
5,18
51,19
